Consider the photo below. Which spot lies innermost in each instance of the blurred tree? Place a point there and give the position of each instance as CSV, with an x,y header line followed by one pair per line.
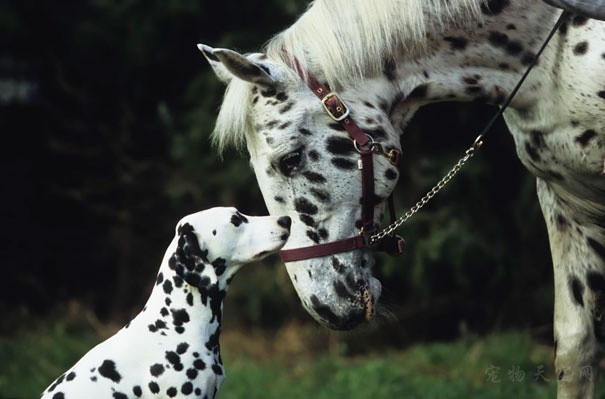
x,y
105,112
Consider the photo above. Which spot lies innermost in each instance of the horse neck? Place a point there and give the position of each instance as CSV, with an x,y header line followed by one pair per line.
x,y
481,63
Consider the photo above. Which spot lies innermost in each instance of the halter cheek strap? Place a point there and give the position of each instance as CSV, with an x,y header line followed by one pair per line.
x,y
365,145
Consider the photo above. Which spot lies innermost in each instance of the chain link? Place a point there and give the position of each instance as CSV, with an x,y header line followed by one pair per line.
x,y
428,196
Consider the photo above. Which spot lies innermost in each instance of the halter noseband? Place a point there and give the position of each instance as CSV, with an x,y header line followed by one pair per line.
x,y
365,145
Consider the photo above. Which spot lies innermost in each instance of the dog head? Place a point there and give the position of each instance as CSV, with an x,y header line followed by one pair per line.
x,y
211,245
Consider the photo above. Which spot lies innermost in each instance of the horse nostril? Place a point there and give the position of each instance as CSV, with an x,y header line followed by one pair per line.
x,y
284,222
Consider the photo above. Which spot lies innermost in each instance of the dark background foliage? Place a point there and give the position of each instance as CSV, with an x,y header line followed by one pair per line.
x,y
106,108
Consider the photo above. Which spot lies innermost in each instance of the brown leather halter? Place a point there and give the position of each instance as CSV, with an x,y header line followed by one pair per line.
x,y
367,147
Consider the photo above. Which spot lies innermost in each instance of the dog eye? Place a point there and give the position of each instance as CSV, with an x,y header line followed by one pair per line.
x,y
289,163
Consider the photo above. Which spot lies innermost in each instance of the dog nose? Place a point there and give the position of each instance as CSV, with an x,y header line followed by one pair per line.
x,y
285,222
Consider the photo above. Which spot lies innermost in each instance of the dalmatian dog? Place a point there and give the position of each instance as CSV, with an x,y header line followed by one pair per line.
x,y
171,348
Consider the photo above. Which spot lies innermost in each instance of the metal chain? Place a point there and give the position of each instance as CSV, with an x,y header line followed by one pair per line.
x,y
428,196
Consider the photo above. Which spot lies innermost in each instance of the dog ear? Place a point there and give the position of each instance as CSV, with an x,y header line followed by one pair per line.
x,y
190,259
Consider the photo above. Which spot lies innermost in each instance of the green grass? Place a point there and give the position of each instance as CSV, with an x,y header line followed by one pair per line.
x,y
31,360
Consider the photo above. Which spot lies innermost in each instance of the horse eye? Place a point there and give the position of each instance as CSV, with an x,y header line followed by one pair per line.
x,y
290,162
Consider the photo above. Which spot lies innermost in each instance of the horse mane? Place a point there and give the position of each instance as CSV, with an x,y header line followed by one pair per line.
x,y
345,41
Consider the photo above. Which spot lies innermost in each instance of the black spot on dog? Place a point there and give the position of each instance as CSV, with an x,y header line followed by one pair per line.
x,y
199,364
154,387
59,395
218,370
70,376
187,388
220,265
167,286
137,391
182,348
175,360
108,370
577,290
159,279
237,219
58,381
191,374
580,48
156,370
179,316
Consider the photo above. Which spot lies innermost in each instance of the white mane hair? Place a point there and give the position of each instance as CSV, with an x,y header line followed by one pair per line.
x,y
345,41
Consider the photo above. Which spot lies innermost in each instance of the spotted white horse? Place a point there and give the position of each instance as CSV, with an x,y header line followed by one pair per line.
x,y
386,59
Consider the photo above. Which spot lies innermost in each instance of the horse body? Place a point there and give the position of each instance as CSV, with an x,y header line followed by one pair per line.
x,y
433,51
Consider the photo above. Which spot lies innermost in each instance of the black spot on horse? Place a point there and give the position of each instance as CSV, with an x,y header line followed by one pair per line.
x,y
597,247
344,164
580,48
341,290
308,220
313,236
279,199
601,94
596,282
562,223
314,177
337,265
457,42
390,69
578,20
497,39
321,195
391,174
108,370
303,205
340,145
585,137
494,7
577,290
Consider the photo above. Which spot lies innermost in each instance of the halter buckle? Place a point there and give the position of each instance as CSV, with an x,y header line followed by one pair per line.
x,y
335,107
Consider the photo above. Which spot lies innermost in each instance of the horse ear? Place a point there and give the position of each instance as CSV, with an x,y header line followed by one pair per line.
x,y
228,63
